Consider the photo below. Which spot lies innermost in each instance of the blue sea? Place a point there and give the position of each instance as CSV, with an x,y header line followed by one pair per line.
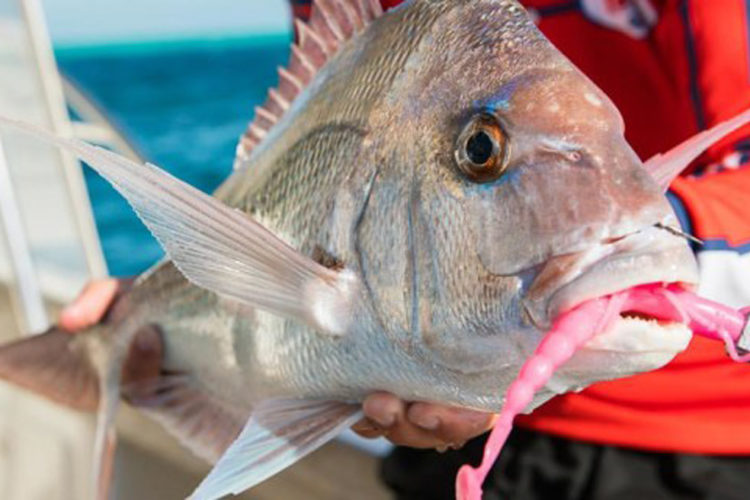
x,y
183,106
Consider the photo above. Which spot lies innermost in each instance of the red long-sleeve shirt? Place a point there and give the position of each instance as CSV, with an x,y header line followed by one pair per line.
x,y
673,67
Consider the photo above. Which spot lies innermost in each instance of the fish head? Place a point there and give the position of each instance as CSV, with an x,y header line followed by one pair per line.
x,y
524,199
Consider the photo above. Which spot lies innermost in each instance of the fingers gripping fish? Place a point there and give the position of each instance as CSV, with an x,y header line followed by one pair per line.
x,y
425,192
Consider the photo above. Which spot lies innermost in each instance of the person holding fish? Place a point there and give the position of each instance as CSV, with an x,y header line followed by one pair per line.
x,y
673,68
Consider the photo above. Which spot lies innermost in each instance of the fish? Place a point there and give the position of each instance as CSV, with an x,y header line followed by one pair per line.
x,y
423,194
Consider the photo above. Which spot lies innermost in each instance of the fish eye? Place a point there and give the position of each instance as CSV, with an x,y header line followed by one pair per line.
x,y
482,149
479,148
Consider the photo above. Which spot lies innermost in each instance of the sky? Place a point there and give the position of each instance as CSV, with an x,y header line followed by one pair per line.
x,y
85,22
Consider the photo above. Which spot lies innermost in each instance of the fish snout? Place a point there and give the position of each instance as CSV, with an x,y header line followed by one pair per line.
x,y
566,201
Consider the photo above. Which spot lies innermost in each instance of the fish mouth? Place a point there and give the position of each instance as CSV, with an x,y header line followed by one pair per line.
x,y
642,338
651,255
633,343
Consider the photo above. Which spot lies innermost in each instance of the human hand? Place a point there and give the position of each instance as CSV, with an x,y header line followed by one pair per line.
x,y
420,425
91,307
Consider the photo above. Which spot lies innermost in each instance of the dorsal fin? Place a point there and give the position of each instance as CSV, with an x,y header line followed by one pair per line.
x,y
332,23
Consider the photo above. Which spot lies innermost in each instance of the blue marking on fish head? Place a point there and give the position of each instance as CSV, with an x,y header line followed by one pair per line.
x,y
500,100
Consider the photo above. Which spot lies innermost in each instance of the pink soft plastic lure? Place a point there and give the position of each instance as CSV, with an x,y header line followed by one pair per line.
x,y
575,328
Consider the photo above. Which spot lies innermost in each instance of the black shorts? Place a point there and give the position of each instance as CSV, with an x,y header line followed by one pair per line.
x,y
535,466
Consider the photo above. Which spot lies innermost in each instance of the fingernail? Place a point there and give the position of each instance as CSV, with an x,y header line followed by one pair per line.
x,y
428,422
369,428
385,420
70,312
68,320
457,446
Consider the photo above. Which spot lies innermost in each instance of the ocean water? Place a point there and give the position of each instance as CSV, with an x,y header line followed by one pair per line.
x,y
183,106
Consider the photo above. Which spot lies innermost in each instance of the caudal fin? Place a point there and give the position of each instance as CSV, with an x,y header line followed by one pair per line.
x,y
54,365
58,366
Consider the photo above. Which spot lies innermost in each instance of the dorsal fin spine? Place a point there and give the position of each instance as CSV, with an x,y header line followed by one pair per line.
x,y
243,147
358,17
304,60
257,131
265,114
350,16
323,15
377,8
305,33
362,15
274,96
288,77
332,23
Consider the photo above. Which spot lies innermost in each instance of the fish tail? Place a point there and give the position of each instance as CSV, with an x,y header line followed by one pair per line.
x,y
80,371
55,365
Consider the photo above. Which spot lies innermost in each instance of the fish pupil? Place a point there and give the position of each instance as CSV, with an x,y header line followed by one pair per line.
x,y
479,148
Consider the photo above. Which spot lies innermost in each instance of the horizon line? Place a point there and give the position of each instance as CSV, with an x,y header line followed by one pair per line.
x,y
171,42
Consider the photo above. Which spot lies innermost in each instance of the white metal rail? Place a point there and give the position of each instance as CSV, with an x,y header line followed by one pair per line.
x,y
29,280
58,115
29,293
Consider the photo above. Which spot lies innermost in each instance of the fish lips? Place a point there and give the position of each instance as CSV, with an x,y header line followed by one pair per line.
x,y
651,255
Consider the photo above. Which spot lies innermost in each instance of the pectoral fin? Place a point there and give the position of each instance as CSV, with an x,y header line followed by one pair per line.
x,y
279,433
203,423
665,167
217,247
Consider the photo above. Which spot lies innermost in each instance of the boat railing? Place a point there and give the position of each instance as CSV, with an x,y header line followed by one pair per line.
x,y
94,125
49,246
